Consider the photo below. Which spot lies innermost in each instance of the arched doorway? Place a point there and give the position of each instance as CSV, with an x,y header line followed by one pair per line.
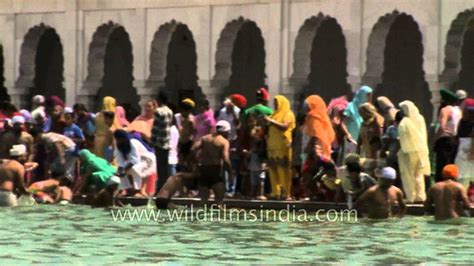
x,y
395,61
328,74
248,62
459,62
173,63
49,69
117,80
403,77
181,67
41,64
466,75
240,59
3,90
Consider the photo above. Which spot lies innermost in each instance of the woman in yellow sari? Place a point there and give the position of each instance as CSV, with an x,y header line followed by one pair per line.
x,y
103,138
413,157
281,125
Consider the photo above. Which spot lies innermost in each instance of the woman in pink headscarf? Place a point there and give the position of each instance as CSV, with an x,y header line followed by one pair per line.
x,y
121,117
144,122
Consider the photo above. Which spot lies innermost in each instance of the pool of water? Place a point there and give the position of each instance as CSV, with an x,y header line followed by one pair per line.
x,y
81,235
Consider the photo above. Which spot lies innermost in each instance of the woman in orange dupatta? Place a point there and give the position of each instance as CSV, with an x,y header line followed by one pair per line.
x,y
279,138
318,125
144,122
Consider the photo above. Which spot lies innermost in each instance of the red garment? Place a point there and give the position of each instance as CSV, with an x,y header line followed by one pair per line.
x,y
263,94
239,100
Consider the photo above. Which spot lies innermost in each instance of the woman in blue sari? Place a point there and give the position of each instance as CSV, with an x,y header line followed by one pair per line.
x,y
353,119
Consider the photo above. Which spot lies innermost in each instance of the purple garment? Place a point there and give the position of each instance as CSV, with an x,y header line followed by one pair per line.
x,y
205,123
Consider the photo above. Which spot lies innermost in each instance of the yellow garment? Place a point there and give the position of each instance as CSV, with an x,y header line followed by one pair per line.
x,y
102,131
279,147
413,135
280,177
189,102
412,177
413,157
279,141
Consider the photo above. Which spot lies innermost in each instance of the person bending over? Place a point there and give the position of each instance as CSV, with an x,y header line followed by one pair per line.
x,y
214,154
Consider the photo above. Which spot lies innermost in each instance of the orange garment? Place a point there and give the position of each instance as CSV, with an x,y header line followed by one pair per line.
x,y
318,124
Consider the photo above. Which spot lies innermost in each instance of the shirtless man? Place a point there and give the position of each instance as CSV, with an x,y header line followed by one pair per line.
x,y
380,199
447,196
12,174
214,154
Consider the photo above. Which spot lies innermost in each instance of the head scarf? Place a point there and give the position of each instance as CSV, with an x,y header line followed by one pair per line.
x,y
451,171
38,100
121,116
124,147
448,96
239,100
27,115
337,105
53,101
188,102
410,110
368,110
109,104
354,120
318,124
283,114
263,94
469,104
387,107
462,94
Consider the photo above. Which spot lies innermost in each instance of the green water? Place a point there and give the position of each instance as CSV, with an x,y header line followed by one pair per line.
x,y
80,235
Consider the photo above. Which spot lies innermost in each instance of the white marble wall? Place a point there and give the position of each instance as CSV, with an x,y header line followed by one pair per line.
x,y
279,21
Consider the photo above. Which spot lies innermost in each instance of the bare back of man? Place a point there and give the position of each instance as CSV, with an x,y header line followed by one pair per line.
x,y
11,181
449,198
382,203
214,155
212,149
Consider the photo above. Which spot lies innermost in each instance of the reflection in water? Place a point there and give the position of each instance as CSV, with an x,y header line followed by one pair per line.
x,y
78,234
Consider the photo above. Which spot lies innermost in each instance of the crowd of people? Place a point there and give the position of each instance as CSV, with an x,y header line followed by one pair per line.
x,y
354,149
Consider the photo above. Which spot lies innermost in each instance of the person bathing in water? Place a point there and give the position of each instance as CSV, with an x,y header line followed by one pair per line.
x,y
448,197
12,175
380,199
215,149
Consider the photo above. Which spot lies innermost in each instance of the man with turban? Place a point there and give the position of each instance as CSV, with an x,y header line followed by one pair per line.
x,y
261,108
446,197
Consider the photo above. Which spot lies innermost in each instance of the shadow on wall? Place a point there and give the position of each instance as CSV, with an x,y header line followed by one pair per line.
x,y
328,74
403,77
181,67
3,90
248,62
118,73
49,66
466,77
